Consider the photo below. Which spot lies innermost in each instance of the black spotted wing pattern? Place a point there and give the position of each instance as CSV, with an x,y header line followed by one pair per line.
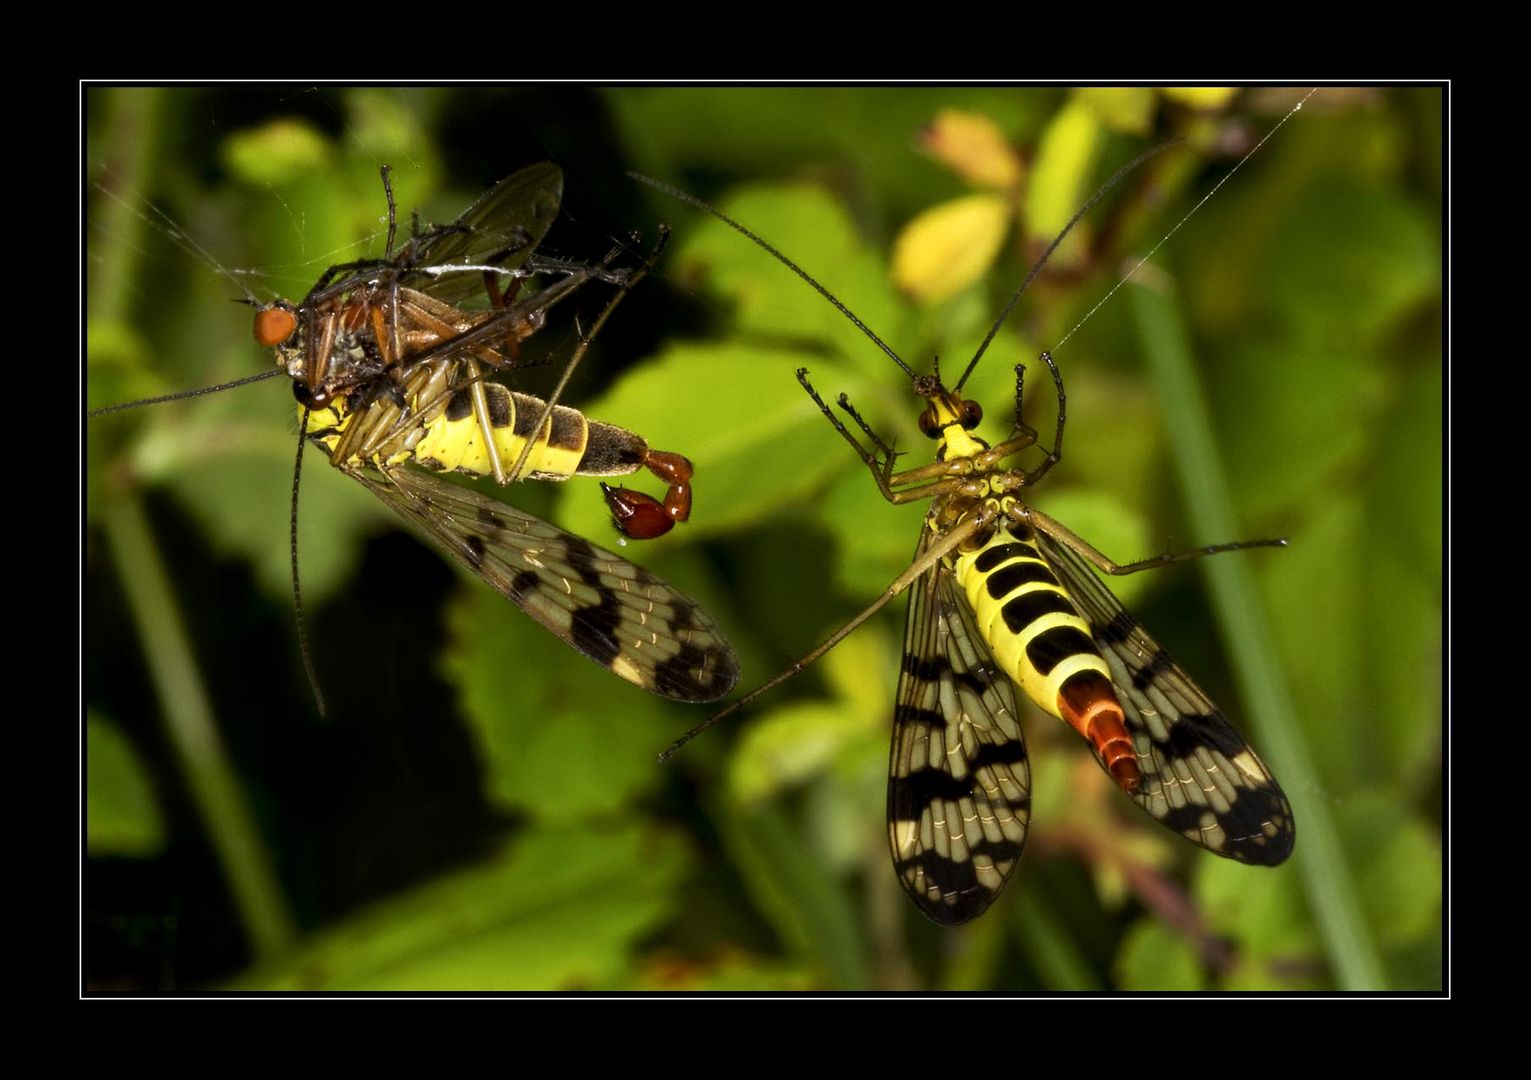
x,y
1201,778
619,615
958,780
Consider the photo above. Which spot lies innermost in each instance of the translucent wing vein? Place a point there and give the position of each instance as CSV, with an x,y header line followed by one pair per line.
x,y
502,229
958,780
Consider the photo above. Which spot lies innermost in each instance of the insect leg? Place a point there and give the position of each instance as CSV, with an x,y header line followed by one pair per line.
x,y
393,212
938,478
1054,455
370,264
880,463
885,449
499,300
869,459
548,264
486,426
1105,564
889,457
585,339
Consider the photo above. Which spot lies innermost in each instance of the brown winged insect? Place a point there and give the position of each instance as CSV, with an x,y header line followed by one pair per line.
x,y
393,376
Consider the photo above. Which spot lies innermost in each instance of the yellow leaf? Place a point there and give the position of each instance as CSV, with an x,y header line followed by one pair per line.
x,y
973,146
1061,176
1125,108
950,246
1206,98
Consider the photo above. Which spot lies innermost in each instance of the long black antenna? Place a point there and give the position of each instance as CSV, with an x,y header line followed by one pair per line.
x,y
676,193
1188,215
297,593
185,393
1036,269
822,291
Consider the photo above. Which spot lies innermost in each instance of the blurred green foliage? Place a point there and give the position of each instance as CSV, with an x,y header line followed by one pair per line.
x,y
482,809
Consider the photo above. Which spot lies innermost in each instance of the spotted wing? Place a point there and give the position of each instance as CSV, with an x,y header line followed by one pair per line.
x,y
501,229
619,615
1201,778
958,782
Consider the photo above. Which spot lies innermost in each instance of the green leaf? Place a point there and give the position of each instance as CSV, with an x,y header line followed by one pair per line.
x,y
115,358
1403,551
771,302
555,909
787,747
973,961
794,743
1061,176
1114,439
1293,449
1154,957
1262,913
1384,262
122,814
875,539
751,413
386,127
1311,588
1046,938
1399,859
240,493
561,738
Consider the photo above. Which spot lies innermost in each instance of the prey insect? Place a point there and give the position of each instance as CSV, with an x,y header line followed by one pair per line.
x,y
390,371
1004,595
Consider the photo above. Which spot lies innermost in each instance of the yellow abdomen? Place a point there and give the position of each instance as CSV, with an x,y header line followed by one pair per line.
x,y
442,430
455,439
1029,621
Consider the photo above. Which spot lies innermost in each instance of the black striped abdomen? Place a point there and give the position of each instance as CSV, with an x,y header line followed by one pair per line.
x,y
1039,638
441,430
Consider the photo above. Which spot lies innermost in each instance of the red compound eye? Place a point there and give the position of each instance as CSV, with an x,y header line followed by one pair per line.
x,y
274,325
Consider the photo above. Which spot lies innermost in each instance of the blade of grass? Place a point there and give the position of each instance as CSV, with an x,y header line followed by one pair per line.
x,y
1326,872
797,892
189,724
192,732
1049,944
